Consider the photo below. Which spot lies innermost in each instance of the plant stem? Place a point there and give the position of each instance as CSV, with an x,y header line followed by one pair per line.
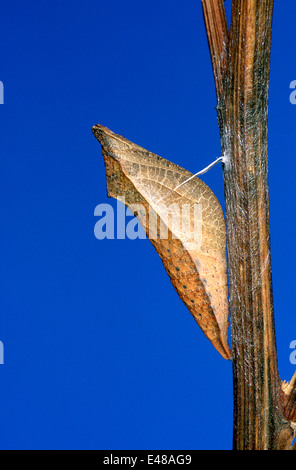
x,y
242,94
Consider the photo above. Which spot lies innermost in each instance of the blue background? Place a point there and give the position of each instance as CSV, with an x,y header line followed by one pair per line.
x,y
99,351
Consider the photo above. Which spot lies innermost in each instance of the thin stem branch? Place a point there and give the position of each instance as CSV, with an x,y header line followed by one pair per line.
x,y
217,32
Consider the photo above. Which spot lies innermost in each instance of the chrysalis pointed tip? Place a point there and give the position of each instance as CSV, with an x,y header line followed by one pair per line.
x,y
99,127
222,348
99,131
108,140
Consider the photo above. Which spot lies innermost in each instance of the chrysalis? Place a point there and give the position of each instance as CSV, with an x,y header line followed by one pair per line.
x,y
194,256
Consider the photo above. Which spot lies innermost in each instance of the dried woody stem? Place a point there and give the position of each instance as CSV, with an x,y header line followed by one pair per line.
x,y
241,61
217,30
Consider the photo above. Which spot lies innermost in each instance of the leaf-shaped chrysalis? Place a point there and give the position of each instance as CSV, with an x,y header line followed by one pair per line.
x,y
193,250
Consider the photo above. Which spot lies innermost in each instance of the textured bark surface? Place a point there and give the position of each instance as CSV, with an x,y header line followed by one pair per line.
x,y
242,59
196,265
